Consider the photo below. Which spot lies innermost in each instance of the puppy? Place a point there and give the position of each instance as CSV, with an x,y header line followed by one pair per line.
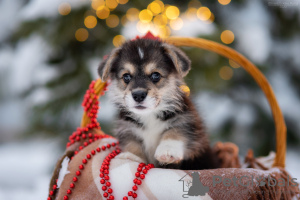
x,y
157,121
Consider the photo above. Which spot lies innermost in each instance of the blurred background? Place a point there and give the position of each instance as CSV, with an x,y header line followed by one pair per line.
x,y
50,50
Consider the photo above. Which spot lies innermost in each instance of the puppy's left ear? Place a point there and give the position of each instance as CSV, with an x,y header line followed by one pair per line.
x,y
181,62
105,66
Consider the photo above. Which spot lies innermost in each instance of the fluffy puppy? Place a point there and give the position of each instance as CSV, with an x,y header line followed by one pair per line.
x,y
157,121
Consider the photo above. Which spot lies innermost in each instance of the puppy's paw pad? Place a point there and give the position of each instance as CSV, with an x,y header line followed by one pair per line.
x,y
167,153
129,156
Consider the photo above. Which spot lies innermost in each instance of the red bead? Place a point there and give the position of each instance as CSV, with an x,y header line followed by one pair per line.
x,y
134,187
142,176
125,198
142,164
75,179
106,177
78,173
72,185
77,138
139,182
51,193
105,194
134,195
111,197
69,191
84,161
145,171
90,135
103,148
75,152
130,193
81,167
83,136
135,180
85,144
101,175
80,148
113,144
108,184
98,149
49,198
102,181
108,145
66,197
104,188
54,187
88,156
139,169
137,174
110,190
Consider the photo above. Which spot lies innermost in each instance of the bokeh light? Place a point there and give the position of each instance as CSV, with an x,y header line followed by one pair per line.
x,y
81,35
172,12
90,21
233,64
132,14
191,14
203,13
155,8
227,37
112,21
97,3
122,1
145,15
176,24
143,27
111,4
102,12
64,8
226,73
224,2
118,40
160,20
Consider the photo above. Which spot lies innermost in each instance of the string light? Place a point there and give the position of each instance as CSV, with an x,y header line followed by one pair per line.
x,y
112,21
118,40
224,2
97,3
203,13
102,12
226,73
155,8
81,35
227,37
160,20
172,12
64,8
111,4
132,14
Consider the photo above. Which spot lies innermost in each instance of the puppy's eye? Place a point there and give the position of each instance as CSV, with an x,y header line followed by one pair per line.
x,y
126,78
155,77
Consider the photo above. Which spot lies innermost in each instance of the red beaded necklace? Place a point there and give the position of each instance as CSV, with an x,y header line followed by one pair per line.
x,y
90,104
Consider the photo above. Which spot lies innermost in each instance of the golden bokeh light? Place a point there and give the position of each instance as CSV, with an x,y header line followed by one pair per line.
x,y
164,32
102,12
160,20
111,4
224,2
227,37
191,13
122,1
176,24
226,73
64,8
233,64
112,21
145,15
118,40
132,14
81,35
155,8
211,19
143,27
203,13
172,12
124,20
90,21
97,3
161,4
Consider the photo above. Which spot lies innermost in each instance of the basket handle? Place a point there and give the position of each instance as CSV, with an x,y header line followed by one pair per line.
x,y
258,77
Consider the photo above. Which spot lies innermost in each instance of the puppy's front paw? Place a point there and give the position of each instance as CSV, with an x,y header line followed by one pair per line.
x,y
129,156
169,151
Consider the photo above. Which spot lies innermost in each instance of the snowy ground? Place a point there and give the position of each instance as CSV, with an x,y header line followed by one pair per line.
x,y
26,168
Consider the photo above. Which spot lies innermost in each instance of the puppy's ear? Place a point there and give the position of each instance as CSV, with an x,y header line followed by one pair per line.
x,y
105,66
181,62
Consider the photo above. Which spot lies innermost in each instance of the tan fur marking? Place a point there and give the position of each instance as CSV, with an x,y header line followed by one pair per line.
x,y
135,148
149,68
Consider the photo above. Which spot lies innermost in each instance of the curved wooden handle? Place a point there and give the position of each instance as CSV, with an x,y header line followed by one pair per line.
x,y
258,77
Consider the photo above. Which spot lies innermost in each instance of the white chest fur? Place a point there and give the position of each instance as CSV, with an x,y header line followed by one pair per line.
x,y
151,133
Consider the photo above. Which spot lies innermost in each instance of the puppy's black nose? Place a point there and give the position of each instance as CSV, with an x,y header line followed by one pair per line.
x,y
139,95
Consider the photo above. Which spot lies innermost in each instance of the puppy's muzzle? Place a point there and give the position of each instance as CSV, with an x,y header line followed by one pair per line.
x,y
139,95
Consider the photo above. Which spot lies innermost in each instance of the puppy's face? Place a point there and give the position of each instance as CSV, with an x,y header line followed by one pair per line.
x,y
145,75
